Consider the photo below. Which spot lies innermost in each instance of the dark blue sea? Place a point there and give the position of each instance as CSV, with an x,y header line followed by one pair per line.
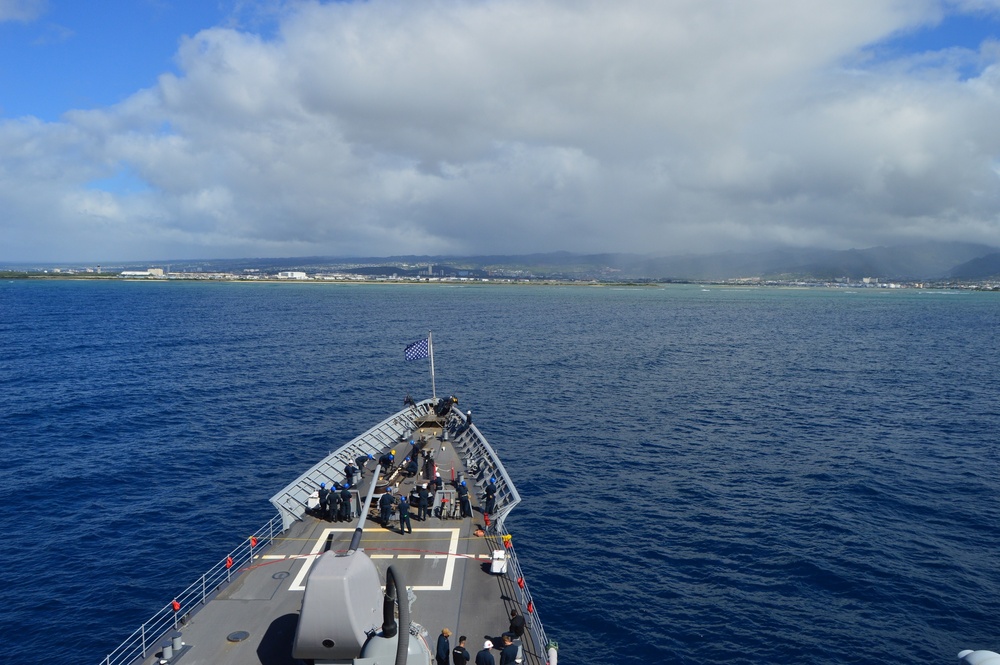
x,y
709,475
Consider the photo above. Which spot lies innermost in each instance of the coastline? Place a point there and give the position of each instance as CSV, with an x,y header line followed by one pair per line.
x,y
746,283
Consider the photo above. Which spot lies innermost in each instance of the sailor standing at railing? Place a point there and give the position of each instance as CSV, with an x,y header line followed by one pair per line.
x,y
491,497
516,623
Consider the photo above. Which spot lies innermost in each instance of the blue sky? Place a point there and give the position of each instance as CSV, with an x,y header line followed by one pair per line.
x,y
87,55
157,129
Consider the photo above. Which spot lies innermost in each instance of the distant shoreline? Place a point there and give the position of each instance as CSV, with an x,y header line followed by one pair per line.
x,y
513,282
345,282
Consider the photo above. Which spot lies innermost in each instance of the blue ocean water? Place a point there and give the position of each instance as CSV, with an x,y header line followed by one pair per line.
x,y
741,475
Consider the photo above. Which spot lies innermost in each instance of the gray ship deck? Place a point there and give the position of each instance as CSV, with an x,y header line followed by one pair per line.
x,y
250,615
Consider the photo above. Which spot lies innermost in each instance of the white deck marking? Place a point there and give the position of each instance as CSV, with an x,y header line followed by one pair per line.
x,y
298,584
273,556
449,567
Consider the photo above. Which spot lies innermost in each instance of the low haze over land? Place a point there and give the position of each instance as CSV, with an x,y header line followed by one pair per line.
x,y
144,130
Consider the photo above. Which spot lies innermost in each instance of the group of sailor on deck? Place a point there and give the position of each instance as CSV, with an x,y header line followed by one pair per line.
x,y
460,655
335,504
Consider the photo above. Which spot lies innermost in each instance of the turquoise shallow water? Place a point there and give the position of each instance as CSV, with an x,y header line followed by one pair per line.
x,y
709,475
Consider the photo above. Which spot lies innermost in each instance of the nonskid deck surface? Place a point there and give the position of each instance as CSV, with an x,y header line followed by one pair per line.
x,y
443,562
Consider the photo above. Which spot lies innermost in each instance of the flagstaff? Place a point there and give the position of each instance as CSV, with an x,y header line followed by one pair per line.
x,y
423,348
430,349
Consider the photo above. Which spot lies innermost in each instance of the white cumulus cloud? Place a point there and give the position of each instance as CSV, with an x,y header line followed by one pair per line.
x,y
471,126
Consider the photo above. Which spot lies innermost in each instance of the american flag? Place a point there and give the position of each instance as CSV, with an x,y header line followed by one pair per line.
x,y
417,350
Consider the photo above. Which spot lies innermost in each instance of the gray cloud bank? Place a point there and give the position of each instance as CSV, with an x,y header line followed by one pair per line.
x,y
472,127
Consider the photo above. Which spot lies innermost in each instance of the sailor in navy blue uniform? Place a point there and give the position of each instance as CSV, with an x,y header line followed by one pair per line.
x,y
361,461
335,504
443,647
411,467
349,472
485,657
463,500
404,515
386,461
324,501
491,497
345,503
428,464
423,501
385,507
509,652
516,624
460,655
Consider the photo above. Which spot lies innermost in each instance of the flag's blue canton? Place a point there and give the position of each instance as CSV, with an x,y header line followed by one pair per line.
x,y
417,350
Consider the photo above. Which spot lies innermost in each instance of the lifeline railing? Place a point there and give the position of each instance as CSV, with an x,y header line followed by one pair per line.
x,y
479,454
518,588
151,634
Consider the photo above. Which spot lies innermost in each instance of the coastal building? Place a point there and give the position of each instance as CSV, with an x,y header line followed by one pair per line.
x,y
292,274
149,272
